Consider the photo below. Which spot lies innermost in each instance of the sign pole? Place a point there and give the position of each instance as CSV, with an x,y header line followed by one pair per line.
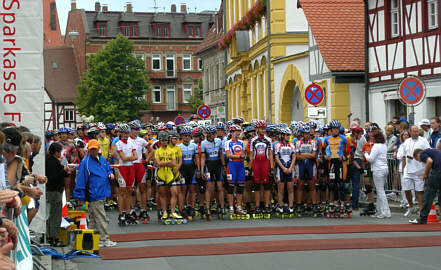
x,y
412,116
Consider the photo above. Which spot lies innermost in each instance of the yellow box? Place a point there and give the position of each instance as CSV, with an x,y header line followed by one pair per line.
x,y
64,233
87,240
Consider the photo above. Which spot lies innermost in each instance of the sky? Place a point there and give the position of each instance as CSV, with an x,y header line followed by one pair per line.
x,y
63,6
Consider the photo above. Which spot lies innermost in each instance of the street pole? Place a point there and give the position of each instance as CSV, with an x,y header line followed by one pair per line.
x,y
268,25
412,116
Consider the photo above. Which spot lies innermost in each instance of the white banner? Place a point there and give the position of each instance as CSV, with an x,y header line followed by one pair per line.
x,y
22,68
23,254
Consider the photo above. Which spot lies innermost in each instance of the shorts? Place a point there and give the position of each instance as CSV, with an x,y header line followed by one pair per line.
x,y
261,171
172,183
188,172
126,176
323,168
248,175
281,177
337,169
235,172
140,173
307,170
413,182
213,171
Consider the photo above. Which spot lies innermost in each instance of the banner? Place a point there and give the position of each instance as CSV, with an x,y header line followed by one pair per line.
x,y
23,254
22,69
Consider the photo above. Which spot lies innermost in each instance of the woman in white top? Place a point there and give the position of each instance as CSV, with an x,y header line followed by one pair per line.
x,y
377,159
400,154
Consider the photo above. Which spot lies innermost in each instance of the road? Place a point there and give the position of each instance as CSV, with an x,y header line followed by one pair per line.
x,y
381,258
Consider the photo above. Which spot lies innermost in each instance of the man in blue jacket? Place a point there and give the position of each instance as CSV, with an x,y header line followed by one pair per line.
x,y
93,186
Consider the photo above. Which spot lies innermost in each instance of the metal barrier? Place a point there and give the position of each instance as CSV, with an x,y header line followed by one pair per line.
x,y
393,183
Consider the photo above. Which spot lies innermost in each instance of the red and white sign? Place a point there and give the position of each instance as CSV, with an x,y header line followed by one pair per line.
x,y
314,94
204,111
412,90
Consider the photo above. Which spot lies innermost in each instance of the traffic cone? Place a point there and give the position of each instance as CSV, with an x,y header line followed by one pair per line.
x,y
432,218
83,222
64,209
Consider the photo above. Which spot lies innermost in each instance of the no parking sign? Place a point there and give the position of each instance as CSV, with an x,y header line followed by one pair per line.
x,y
204,111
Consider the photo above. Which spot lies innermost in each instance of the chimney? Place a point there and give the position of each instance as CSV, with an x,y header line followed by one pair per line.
x,y
173,8
105,8
129,7
73,5
183,8
97,6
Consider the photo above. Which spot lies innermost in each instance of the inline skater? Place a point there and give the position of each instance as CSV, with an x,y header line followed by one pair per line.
x,y
177,155
234,149
262,165
285,156
249,133
212,163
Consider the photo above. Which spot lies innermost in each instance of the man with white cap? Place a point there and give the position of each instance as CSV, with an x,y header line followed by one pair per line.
x,y
425,126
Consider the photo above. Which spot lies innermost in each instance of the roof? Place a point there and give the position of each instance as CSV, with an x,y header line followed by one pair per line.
x,y
338,29
61,77
177,22
51,37
214,33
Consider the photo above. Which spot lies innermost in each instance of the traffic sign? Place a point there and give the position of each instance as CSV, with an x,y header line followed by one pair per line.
x,y
412,90
314,94
316,112
179,120
204,111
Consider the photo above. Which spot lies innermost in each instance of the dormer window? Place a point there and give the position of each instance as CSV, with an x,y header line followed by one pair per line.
x,y
130,29
193,31
161,30
101,29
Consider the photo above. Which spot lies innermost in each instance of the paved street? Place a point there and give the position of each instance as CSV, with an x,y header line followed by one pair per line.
x,y
402,258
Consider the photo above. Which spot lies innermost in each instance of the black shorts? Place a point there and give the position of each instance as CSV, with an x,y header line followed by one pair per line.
x,y
188,172
214,168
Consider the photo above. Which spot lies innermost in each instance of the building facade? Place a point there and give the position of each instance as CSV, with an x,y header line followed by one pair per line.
x,y
213,79
165,41
404,40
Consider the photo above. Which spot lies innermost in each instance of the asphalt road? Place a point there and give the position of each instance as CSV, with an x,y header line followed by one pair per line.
x,y
360,259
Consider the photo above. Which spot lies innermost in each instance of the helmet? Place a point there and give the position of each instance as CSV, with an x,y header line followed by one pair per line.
x,y
295,127
356,129
142,132
192,124
282,125
173,134
79,126
372,127
305,129
79,143
55,131
193,116
154,130
135,125
101,126
320,130
64,130
124,128
92,132
260,124
110,126
48,134
312,124
186,131
271,128
163,136
235,128
285,131
238,120
220,125
168,126
196,132
229,123
86,126
210,129
249,129
334,124
342,130
326,127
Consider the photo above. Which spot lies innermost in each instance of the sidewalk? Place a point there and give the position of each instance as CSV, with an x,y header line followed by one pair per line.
x,y
64,264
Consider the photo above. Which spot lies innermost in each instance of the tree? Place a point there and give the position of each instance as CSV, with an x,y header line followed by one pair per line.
x,y
197,98
114,87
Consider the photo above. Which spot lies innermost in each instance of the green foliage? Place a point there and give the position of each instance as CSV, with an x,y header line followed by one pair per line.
x,y
114,87
197,98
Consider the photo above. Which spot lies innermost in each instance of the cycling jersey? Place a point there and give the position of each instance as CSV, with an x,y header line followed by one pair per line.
x,y
164,154
212,149
176,152
126,147
235,167
188,152
67,153
306,146
140,145
261,145
104,147
335,146
306,167
284,152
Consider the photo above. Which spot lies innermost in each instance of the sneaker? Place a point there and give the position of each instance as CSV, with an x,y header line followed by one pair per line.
x,y
382,216
279,209
375,216
107,243
417,221
175,215
410,211
164,215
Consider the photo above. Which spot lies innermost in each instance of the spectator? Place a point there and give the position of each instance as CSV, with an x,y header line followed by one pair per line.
x,y
413,170
55,173
93,186
399,155
377,159
391,139
435,136
425,127
432,179
5,262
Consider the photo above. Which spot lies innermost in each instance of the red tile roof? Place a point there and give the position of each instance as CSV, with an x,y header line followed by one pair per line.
x,y
338,28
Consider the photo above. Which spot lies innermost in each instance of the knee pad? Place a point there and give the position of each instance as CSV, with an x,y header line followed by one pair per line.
x,y
255,187
267,186
323,186
317,186
230,188
240,188
368,189
306,186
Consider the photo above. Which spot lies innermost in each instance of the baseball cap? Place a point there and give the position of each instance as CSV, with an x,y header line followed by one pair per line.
x,y
93,144
12,136
403,119
425,122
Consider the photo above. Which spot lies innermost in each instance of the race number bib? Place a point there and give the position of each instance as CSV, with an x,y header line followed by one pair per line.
x,y
332,176
229,177
207,175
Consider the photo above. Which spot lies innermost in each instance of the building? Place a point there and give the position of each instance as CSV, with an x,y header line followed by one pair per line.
x,y
213,79
51,32
165,41
295,50
404,40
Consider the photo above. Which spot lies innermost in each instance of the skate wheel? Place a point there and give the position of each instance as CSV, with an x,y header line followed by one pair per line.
x,y
184,221
231,217
349,215
179,222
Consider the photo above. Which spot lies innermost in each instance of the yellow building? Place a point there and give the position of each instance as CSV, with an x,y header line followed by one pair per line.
x,y
294,62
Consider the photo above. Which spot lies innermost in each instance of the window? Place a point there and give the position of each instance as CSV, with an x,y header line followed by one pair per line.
x,y
161,30
156,61
200,64
187,93
156,94
432,12
140,55
186,61
170,65
68,115
53,19
193,31
170,97
394,18
101,29
129,29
